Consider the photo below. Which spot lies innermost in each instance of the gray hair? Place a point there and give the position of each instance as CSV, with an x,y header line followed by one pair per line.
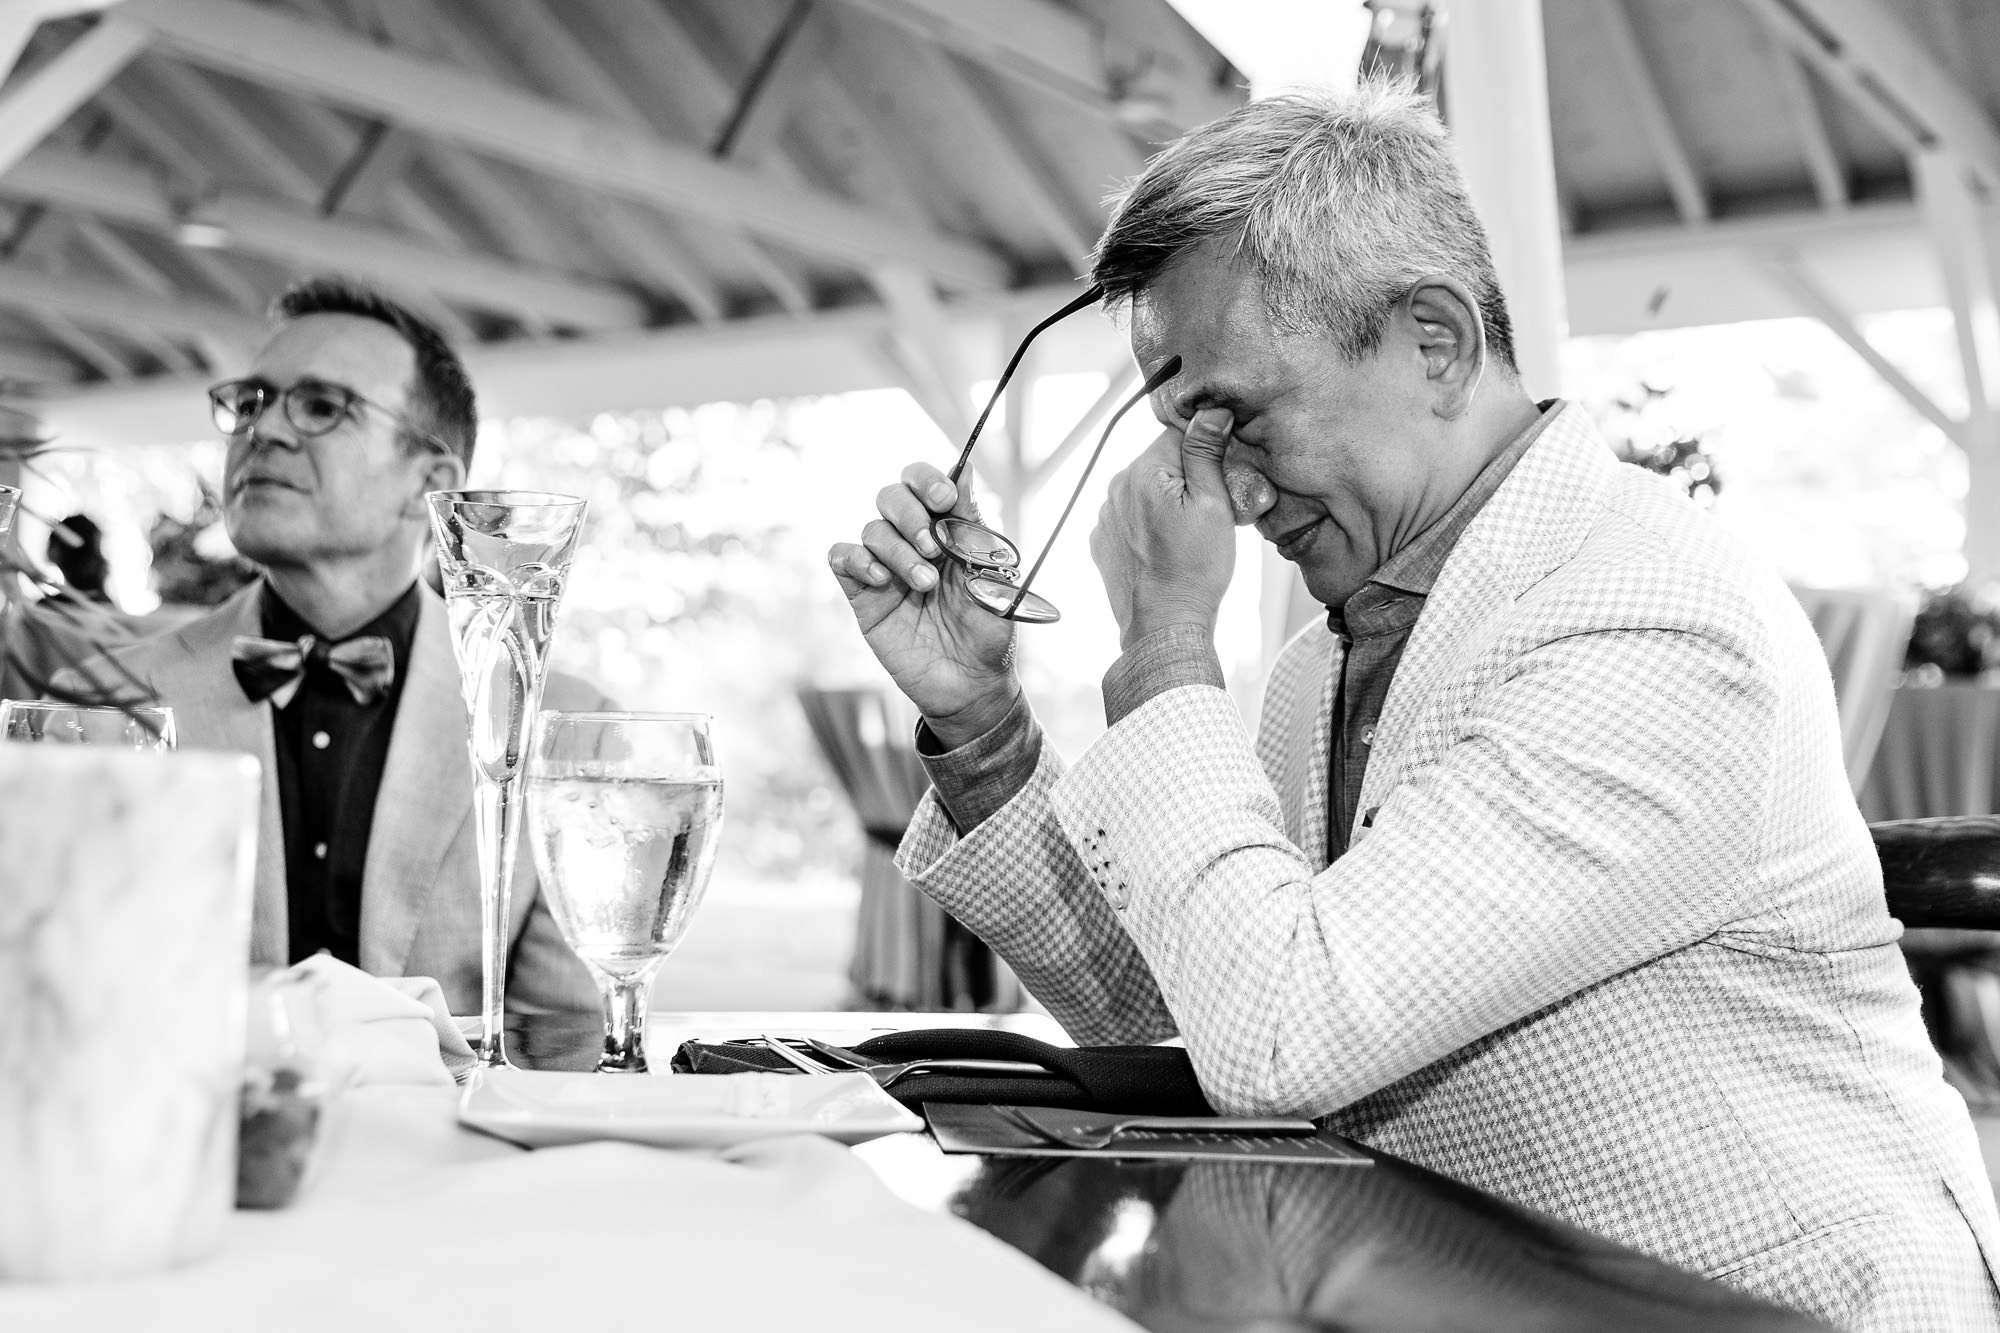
x,y
1340,204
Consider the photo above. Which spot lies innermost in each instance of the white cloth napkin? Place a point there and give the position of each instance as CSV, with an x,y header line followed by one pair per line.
x,y
362,1029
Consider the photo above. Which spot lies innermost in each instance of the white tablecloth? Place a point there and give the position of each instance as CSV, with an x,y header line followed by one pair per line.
x,y
415,1224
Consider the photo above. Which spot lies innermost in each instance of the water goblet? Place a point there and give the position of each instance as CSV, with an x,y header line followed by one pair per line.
x,y
505,556
623,813
147,727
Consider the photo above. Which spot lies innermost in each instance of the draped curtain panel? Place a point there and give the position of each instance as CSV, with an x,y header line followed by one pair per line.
x,y
1940,753
908,953
1864,632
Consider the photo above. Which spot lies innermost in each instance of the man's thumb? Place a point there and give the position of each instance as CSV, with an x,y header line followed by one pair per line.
x,y
1207,435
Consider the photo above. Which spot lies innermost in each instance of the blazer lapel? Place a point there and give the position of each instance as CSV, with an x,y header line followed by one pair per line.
x,y
190,669
1533,524
425,798
1308,746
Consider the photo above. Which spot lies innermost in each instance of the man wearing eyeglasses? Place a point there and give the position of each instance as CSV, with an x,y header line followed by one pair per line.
x,y
1543,869
335,669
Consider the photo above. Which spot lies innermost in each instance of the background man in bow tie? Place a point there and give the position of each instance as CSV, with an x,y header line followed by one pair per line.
x,y
335,669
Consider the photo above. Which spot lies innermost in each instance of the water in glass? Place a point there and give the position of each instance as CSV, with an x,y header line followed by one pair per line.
x,y
623,812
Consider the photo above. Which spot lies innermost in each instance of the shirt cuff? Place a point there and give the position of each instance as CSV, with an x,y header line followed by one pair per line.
x,y
1166,660
974,781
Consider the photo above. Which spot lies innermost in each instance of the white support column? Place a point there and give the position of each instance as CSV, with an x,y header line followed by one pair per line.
x,y
1497,100
1959,218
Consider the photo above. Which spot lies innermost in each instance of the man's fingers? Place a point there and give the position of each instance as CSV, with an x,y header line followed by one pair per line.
x,y
855,568
1202,446
890,547
937,491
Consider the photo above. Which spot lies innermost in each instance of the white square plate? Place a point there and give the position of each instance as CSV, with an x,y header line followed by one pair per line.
x,y
544,1109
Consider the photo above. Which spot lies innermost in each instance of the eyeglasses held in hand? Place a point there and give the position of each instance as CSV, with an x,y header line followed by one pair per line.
x,y
990,563
312,406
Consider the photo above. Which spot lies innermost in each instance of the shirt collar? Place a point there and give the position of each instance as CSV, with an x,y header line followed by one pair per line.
x,y
397,624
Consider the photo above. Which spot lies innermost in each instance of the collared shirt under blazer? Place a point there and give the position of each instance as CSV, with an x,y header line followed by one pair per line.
x,y
420,883
1614,947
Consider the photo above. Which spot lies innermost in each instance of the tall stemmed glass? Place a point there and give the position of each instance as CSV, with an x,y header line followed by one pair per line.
x,y
624,809
10,496
505,557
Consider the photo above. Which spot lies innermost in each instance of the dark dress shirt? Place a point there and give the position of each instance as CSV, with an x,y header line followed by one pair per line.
x,y
330,754
979,777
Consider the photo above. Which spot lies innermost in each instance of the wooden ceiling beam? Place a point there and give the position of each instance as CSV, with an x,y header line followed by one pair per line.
x,y
1790,276
26,361
83,345
560,61
785,69
31,108
301,239
118,305
1046,46
21,19
1670,152
1871,55
195,112
482,114
1030,177
611,227
1829,177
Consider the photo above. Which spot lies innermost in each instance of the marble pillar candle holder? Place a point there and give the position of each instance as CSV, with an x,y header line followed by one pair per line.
x,y
125,893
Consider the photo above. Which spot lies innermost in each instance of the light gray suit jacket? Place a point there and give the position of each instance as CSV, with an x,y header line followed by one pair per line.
x,y
420,885
1611,941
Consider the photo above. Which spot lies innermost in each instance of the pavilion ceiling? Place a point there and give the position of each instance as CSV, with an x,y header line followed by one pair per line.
x,y
533,172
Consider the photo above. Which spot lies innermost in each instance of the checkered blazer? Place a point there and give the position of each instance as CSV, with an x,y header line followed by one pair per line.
x,y
1610,939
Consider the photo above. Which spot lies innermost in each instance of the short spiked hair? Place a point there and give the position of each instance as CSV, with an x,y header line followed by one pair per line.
x,y
441,398
1341,204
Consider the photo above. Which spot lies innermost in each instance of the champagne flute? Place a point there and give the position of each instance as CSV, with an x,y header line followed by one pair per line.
x,y
148,727
623,813
505,556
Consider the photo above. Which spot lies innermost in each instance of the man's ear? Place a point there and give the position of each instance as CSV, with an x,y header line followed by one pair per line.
x,y
1450,337
446,472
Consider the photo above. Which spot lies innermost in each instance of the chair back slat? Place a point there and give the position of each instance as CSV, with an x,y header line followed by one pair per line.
x,y
1941,872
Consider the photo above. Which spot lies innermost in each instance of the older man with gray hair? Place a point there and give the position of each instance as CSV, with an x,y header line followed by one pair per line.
x,y
1543,869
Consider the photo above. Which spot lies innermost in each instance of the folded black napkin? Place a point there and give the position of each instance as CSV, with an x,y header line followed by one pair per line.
x,y
1129,1080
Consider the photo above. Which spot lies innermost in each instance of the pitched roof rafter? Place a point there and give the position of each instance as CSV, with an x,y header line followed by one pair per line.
x,y
478,113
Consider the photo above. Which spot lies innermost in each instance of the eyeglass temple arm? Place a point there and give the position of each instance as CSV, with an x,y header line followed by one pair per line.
x,y
1091,297
1171,368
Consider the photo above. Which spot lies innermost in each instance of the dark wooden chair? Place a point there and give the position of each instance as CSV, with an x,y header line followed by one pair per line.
x,y
1942,881
1942,873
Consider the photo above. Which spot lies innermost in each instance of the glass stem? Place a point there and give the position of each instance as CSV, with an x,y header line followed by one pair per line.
x,y
624,1024
496,810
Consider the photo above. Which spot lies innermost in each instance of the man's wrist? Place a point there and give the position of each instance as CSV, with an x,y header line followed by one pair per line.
x,y
1147,623
975,719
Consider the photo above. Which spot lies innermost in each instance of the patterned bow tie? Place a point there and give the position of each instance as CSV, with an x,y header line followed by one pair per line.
x,y
273,668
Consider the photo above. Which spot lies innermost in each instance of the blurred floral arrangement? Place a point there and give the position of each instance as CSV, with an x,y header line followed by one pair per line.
x,y
1642,430
193,562
1957,633
52,646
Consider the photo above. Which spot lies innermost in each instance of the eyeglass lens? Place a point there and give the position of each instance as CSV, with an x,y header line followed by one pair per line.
x,y
989,561
311,406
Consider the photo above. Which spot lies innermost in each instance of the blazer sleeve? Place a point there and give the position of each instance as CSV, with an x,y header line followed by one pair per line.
x,y
1581,821
1016,882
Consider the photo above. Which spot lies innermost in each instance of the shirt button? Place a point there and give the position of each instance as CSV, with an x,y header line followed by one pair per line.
x,y
319,851
1368,735
321,740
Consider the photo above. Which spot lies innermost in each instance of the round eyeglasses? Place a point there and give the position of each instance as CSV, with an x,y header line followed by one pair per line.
x,y
989,563
312,406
